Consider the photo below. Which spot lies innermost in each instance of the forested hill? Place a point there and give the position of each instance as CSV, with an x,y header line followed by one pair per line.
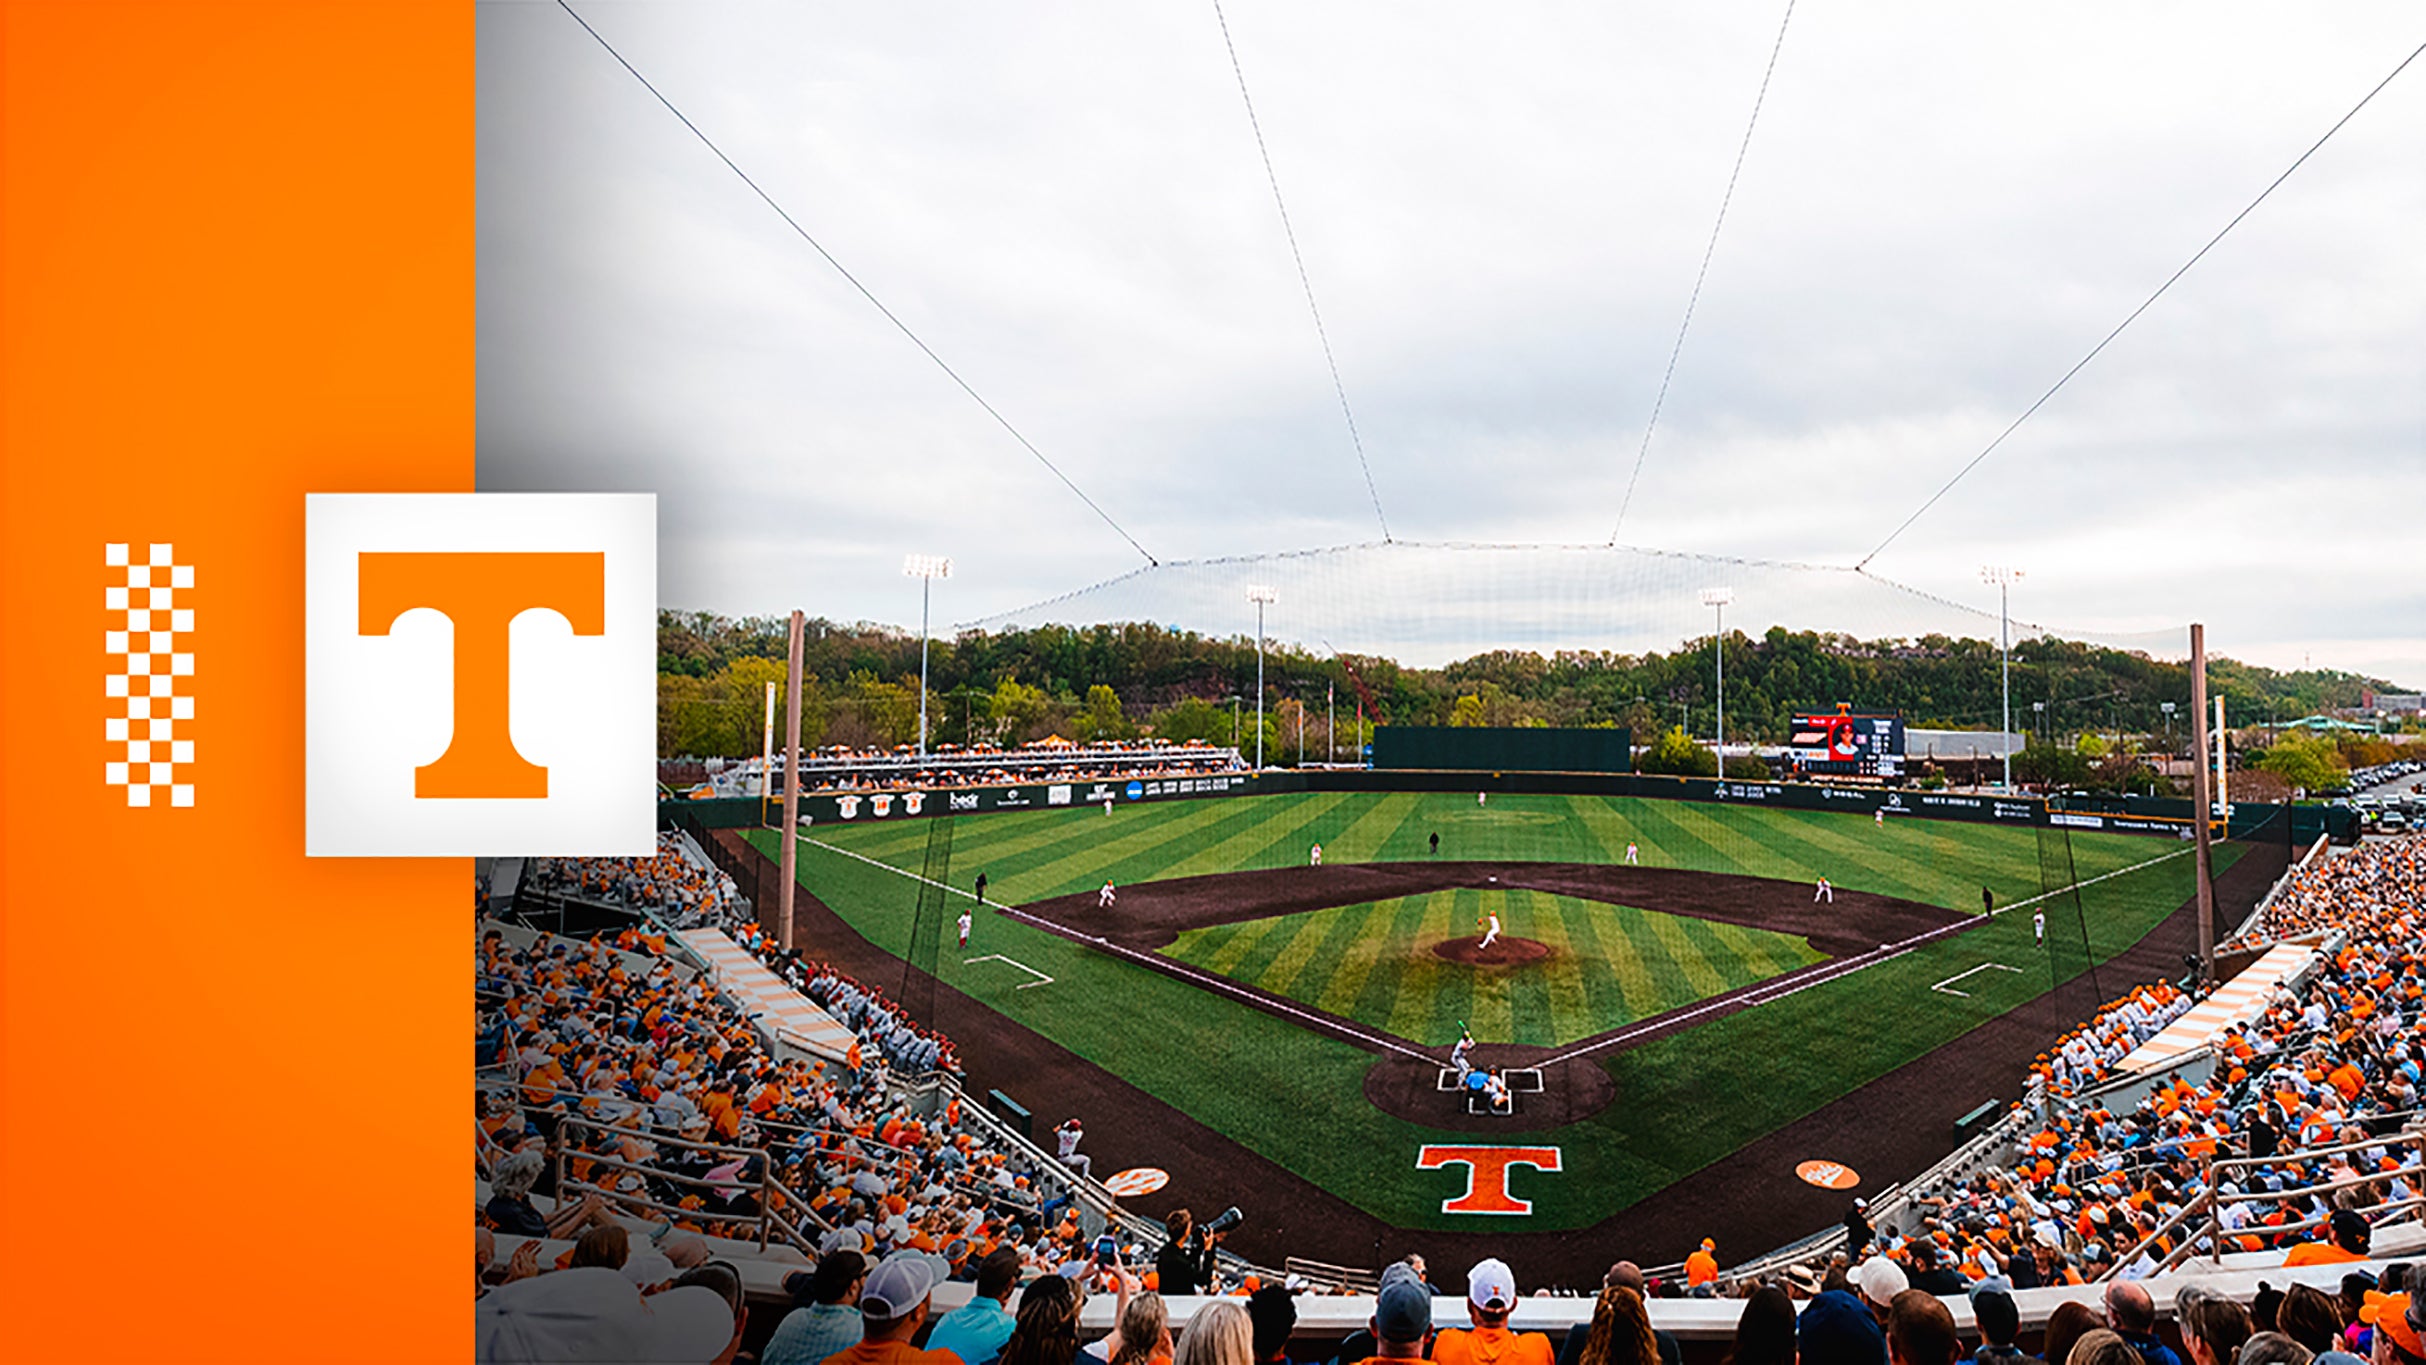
x,y
1119,680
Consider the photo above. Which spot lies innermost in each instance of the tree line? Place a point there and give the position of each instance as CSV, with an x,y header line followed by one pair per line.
x,y
1119,681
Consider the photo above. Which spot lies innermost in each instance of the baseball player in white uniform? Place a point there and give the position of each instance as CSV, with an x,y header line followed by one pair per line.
x,y
2038,926
1318,855
1104,899
1490,918
1823,892
1634,854
964,928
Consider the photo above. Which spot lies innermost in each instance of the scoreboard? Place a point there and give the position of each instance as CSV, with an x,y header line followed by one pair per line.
x,y
1847,745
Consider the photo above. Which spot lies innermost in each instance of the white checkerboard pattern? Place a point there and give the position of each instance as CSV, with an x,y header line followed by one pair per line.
x,y
150,658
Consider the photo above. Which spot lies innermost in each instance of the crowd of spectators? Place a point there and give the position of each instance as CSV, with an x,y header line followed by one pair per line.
x,y
2378,874
2334,1063
846,769
693,1128
670,884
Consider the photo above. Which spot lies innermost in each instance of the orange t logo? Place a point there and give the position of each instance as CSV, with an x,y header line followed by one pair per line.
x,y
1487,1175
482,593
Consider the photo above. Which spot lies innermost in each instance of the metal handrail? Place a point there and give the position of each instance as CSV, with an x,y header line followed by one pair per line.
x,y
767,1185
2212,1203
992,1192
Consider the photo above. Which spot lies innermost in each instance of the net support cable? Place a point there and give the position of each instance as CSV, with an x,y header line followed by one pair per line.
x,y
864,291
1304,280
1702,274
2145,304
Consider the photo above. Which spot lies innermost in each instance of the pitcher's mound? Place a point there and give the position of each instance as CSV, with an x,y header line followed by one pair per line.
x,y
1503,952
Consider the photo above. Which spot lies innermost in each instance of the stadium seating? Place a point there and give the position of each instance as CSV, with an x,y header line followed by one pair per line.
x,y
611,1056
1046,760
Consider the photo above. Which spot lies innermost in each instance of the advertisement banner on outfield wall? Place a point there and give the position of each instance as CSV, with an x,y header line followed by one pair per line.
x,y
2163,818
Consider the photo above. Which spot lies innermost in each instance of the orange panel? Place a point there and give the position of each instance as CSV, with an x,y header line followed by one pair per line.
x,y
237,259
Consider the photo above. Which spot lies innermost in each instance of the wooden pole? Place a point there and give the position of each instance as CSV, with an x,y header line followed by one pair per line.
x,y
791,783
2199,800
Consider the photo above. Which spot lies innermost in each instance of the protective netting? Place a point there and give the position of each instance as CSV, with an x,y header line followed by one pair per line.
x,y
1424,604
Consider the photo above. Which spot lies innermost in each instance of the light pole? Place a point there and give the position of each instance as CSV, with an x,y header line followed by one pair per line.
x,y
2002,580
1717,599
926,569
1262,596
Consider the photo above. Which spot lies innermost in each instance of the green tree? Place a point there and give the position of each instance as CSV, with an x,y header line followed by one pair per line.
x,y
1102,718
1675,752
1019,711
1466,710
1194,718
2305,762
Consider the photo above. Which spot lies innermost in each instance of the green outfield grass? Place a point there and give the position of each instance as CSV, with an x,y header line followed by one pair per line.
x,y
1297,1097
1609,965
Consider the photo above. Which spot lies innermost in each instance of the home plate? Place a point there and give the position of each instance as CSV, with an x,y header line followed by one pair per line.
x,y
1136,1181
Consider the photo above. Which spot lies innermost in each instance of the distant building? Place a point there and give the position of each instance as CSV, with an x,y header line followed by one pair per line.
x,y
2394,703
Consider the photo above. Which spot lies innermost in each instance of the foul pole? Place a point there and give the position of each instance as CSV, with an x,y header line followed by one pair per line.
x,y
791,784
2201,810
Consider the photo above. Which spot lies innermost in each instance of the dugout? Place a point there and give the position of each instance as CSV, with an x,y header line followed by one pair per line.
x,y
1496,749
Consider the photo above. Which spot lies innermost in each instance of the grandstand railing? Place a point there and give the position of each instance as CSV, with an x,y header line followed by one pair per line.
x,y
2206,1211
1089,1193
769,1191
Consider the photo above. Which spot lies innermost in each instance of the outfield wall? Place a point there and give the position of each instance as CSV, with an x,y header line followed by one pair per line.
x,y
2295,824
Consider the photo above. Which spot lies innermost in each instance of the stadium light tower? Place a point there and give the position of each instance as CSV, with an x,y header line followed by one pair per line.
x,y
926,569
1262,596
1716,599
2003,579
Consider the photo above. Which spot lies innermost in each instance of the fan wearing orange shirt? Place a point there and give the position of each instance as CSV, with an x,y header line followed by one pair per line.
x,y
1702,1266
2350,1238
1490,1298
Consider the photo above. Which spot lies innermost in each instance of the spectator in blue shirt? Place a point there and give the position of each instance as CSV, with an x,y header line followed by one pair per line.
x,y
829,1321
977,1331
2132,1314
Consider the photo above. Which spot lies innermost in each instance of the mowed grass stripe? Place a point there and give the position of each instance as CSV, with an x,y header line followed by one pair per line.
x,y
1373,925
1252,845
1326,938
1136,849
1372,830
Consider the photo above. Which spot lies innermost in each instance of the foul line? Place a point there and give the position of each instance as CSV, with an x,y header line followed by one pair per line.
x,y
1780,988
1223,986
1769,993
1215,984
1041,978
2101,877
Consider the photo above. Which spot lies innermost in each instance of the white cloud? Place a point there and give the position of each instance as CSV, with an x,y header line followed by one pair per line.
x,y
1501,211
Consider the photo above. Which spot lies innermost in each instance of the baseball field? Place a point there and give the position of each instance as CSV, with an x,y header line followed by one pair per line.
x,y
1255,1021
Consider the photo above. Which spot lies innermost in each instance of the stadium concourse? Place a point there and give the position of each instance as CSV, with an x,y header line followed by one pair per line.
x,y
673,1146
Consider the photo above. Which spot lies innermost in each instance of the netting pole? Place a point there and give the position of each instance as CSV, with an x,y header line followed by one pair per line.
x,y
2201,810
791,783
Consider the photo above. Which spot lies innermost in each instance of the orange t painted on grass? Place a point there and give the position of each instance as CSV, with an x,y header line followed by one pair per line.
x,y
1487,1174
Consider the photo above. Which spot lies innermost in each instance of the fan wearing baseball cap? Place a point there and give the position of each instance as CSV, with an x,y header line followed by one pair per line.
x,y
893,1304
2395,1319
1490,1298
1402,1317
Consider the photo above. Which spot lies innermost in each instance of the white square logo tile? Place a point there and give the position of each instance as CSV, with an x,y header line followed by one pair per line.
x,y
480,674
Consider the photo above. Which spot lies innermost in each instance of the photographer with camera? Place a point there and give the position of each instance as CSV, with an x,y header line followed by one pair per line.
x,y
1185,1265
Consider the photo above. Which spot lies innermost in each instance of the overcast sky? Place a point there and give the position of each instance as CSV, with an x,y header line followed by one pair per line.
x,y
1501,210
